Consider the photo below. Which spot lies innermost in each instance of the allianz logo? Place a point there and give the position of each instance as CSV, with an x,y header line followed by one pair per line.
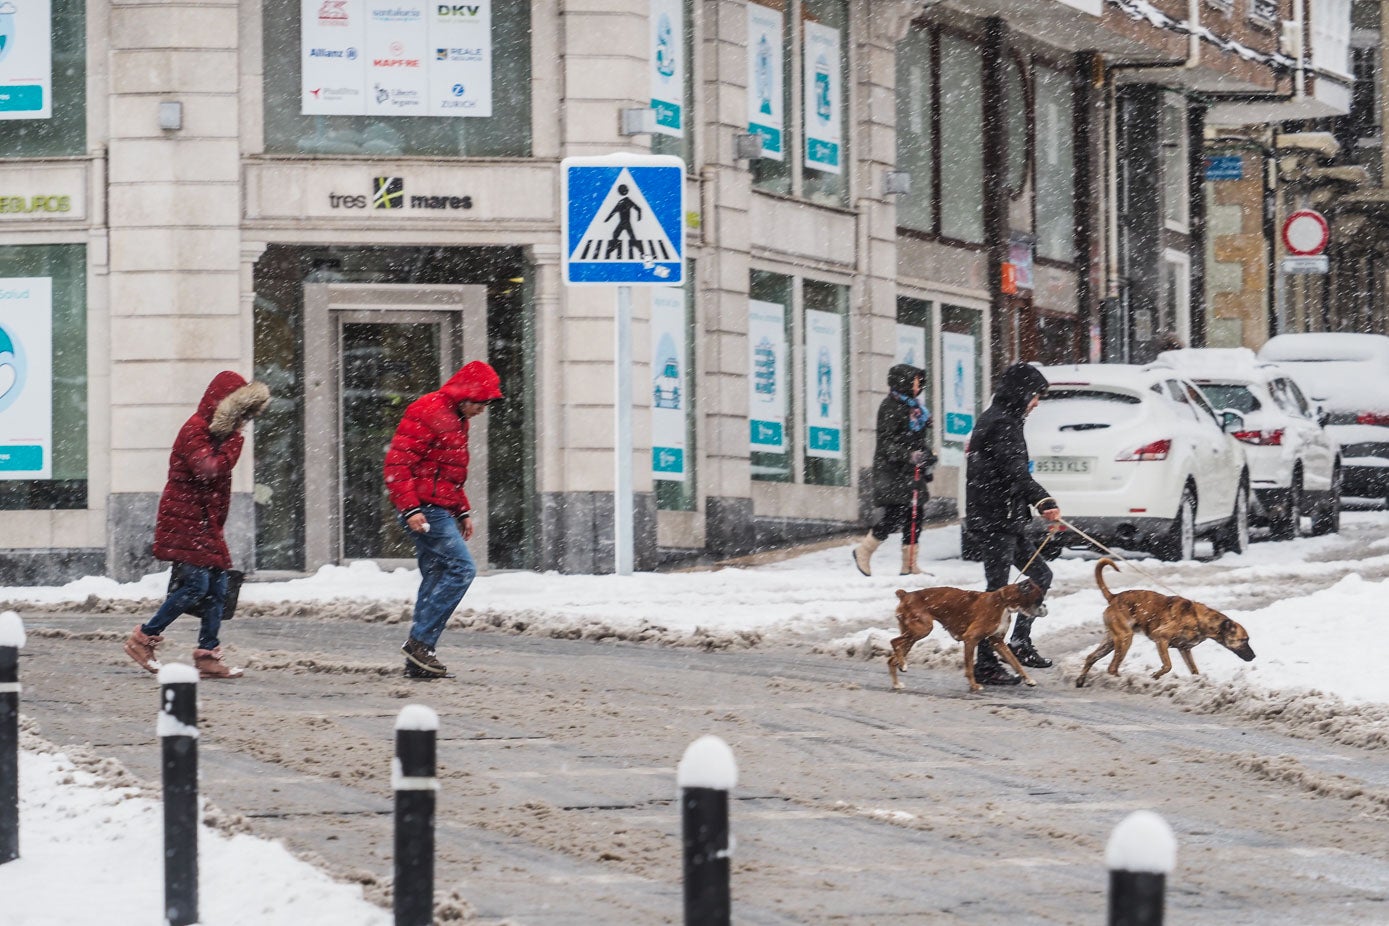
x,y
349,54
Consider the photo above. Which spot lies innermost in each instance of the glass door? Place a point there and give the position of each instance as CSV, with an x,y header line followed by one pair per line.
x,y
383,365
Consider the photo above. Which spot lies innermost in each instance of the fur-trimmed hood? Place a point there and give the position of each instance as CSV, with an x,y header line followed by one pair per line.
x,y
229,400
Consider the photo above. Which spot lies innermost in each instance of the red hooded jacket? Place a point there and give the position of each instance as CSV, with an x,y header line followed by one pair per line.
x,y
427,462
193,508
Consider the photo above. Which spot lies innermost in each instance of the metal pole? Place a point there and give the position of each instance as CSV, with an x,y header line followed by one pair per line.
x,y
622,444
178,735
11,641
416,788
706,774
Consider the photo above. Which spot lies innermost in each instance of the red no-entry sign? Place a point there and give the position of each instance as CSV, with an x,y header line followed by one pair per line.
x,y
1305,233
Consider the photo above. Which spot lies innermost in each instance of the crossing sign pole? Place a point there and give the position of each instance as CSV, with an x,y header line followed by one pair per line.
x,y
622,223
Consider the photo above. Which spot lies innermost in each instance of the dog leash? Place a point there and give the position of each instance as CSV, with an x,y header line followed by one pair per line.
x,y
1119,556
1037,552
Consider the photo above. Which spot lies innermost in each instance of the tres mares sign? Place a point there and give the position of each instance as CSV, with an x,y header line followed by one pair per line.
x,y
389,193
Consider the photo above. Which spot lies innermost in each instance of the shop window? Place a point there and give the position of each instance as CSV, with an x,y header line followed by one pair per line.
x,y
961,140
44,113
43,372
1055,166
673,408
916,346
1018,142
1176,208
962,349
825,343
798,91
341,108
916,130
679,37
770,380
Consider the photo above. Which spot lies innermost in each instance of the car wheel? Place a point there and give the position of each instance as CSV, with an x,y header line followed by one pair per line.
x,y
1327,519
1286,527
1234,535
1180,541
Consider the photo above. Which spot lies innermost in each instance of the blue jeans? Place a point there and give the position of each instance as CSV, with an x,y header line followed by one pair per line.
x,y
202,584
446,571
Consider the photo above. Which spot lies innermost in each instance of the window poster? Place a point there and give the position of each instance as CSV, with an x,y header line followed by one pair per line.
x,y
767,379
766,95
670,400
26,378
668,66
26,59
958,354
396,58
824,99
911,346
824,384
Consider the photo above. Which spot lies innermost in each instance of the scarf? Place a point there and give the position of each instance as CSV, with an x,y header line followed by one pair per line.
x,y
919,417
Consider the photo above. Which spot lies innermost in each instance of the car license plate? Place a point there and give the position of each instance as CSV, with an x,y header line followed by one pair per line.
x,y
1063,465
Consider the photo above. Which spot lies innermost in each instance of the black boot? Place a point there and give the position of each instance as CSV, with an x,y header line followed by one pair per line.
x,y
1021,645
988,670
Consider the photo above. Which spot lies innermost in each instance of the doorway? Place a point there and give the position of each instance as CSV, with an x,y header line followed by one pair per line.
x,y
370,350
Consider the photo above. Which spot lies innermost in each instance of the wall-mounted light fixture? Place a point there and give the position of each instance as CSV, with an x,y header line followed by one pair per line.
x,y
637,122
896,183
170,115
747,147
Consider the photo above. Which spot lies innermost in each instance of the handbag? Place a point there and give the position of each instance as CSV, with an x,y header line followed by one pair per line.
x,y
178,577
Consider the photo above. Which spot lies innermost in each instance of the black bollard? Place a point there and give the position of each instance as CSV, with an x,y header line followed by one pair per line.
x,y
706,774
11,642
178,736
416,788
1141,853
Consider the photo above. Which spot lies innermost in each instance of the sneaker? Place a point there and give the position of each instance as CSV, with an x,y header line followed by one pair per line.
x,y
141,646
1027,654
422,657
414,671
209,664
994,675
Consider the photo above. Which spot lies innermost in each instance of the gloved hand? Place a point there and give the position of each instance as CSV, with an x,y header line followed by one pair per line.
x,y
920,458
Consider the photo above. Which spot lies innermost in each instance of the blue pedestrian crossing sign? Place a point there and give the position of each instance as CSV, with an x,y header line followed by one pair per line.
x,y
623,220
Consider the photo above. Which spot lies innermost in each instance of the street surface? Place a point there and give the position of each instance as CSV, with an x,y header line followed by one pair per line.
x,y
855,804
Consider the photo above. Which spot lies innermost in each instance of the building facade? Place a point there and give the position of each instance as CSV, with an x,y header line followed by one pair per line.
x,y
348,199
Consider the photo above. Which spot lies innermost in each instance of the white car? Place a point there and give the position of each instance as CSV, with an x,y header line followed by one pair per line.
x,y
1348,375
1137,458
1294,463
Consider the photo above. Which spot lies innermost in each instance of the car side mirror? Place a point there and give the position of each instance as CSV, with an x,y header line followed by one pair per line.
x,y
1231,421
1323,416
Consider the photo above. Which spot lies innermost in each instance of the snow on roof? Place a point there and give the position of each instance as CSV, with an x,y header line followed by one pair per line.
x,y
1327,345
11,630
707,763
1142,842
1104,374
1228,364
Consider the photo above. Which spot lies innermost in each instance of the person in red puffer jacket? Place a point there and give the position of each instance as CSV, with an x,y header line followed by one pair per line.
x,y
192,514
426,467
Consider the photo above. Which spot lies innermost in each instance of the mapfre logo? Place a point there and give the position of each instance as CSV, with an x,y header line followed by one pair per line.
x,y
388,193
333,13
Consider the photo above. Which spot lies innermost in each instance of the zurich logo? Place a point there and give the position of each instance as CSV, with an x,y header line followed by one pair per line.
x,y
7,11
458,90
12,369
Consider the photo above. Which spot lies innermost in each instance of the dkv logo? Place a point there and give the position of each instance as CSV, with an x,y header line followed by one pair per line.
x,y
12,368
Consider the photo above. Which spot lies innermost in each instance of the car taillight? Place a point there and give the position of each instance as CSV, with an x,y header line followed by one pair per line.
x,y
1157,450
1260,438
1379,418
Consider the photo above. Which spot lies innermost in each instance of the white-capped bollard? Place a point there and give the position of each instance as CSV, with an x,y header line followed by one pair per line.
x,y
707,772
416,787
178,735
11,642
1140,854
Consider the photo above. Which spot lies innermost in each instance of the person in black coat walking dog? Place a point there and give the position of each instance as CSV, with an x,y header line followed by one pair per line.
x,y
902,464
1000,490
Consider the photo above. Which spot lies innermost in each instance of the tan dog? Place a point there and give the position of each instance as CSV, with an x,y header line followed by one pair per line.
x,y
971,617
1167,620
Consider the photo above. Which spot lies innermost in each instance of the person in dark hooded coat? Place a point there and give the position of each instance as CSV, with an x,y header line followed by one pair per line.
x,y
191,517
902,463
1000,492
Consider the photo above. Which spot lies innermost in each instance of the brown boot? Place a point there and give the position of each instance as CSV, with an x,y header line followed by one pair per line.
x,y
909,567
209,664
140,646
863,552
